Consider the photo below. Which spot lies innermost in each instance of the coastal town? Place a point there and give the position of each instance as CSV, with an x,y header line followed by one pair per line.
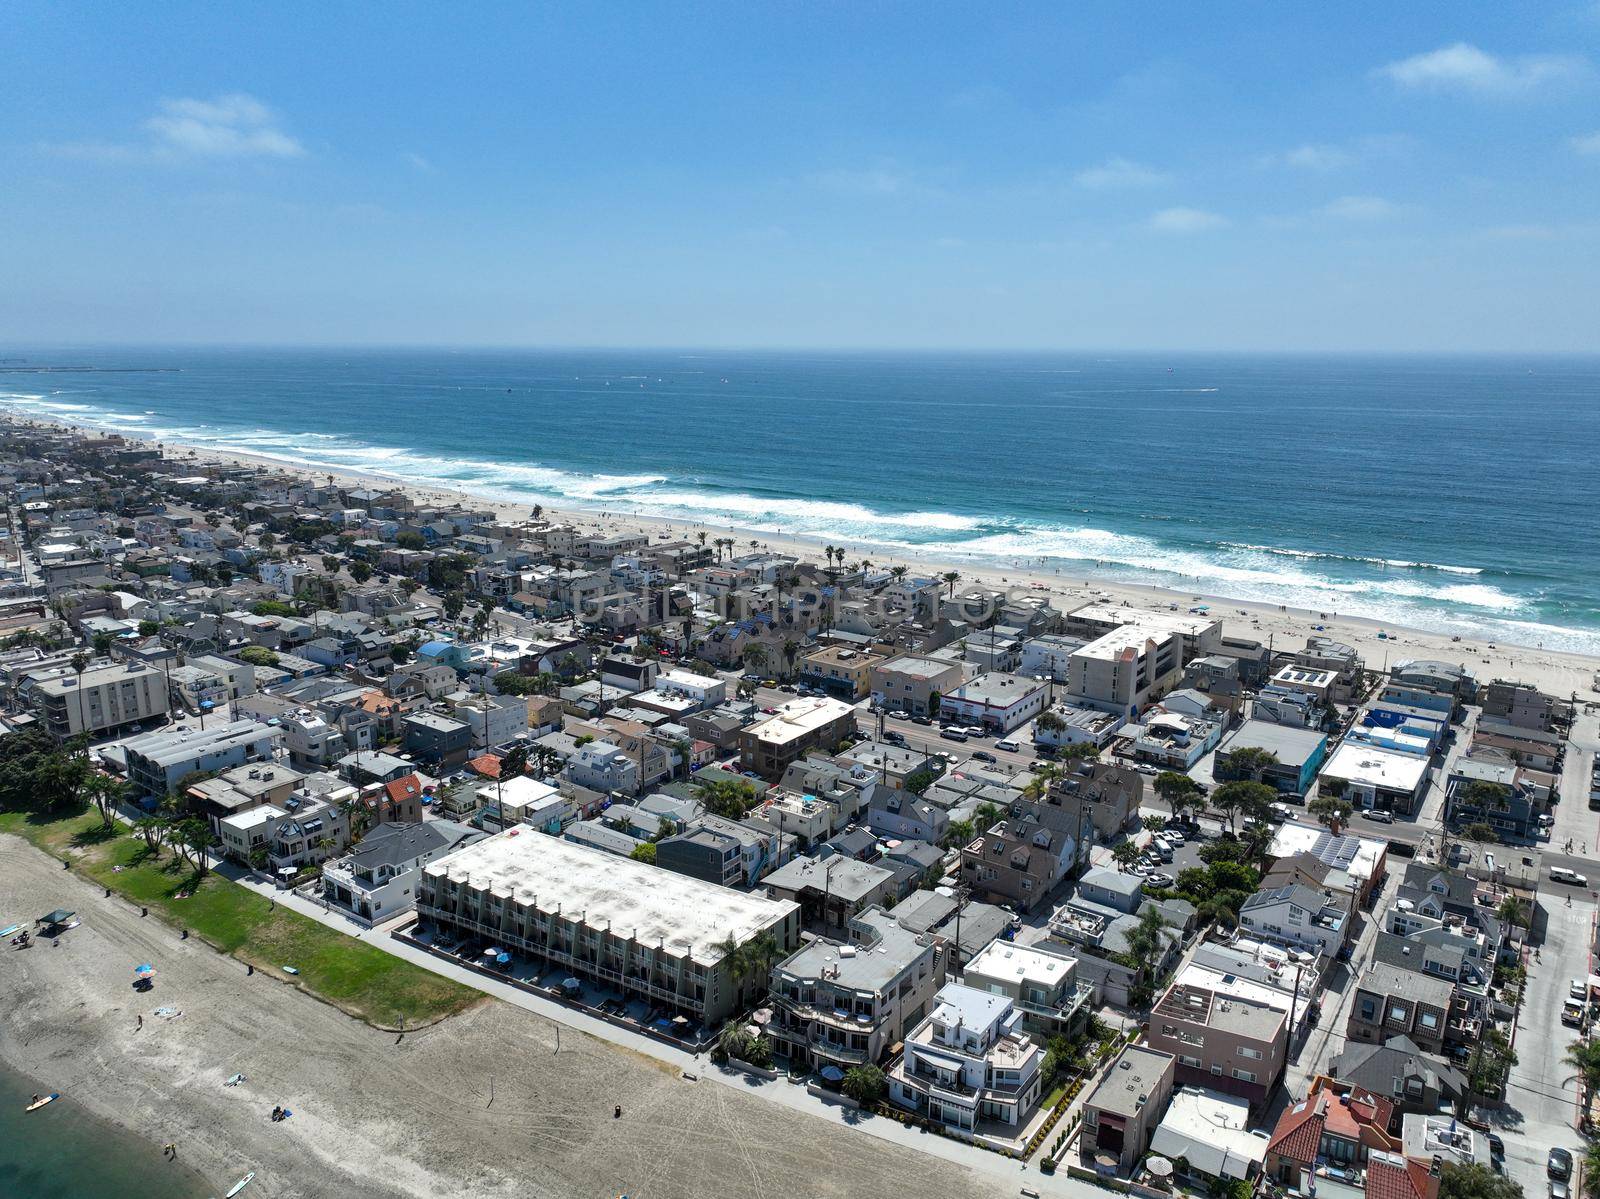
x,y
1023,890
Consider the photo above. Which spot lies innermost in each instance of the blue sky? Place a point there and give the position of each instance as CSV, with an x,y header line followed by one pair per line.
x,y
1261,177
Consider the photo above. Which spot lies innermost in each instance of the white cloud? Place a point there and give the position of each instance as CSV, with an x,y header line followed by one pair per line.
x,y
1311,157
1588,144
1464,67
1362,208
231,126
1186,220
418,162
1119,172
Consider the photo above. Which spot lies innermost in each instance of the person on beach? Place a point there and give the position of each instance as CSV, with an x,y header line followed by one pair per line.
x,y
139,1025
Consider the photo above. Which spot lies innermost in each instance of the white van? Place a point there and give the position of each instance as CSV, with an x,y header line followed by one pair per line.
x,y
1560,874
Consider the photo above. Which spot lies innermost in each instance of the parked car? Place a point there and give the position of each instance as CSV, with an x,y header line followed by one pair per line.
x,y
1378,814
1161,879
1559,1164
953,734
924,720
1006,743
1578,989
982,755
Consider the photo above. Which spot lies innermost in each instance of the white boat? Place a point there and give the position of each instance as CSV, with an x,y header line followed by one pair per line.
x,y
240,1185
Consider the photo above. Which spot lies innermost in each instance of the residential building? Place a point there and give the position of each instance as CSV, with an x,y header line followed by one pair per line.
x,y
1398,1069
1394,1001
843,1003
1074,724
1111,888
727,852
437,740
840,671
1021,858
1362,860
1048,656
1239,1046
101,700
158,761
1444,1139
1212,1132
652,934
829,892
910,682
1043,985
604,767
1123,669
1299,917
1336,1124
241,789
798,727
1104,795
1122,1112
969,1064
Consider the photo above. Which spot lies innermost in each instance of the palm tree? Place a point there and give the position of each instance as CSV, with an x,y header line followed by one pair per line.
x,y
1584,1056
755,655
899,572
1513,911
80,663
701,537
952,577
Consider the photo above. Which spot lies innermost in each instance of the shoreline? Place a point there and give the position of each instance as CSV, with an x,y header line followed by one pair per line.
x,y
1562,672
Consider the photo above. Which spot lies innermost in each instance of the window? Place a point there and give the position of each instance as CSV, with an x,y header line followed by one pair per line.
x,y
1369,1009
1430,1020
1243,1075
1253,1054
1189,1061
1216,1068
1397,1013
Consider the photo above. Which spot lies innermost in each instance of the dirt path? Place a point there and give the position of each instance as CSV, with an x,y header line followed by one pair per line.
x,y
375,1118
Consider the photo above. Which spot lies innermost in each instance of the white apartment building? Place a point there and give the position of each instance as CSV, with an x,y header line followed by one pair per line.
x,y
970,1063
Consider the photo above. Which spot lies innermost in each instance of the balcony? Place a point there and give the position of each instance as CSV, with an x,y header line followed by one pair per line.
x,y
839,1053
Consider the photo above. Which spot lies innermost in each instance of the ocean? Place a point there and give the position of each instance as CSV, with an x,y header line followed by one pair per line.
x,y
62,1152
1456,494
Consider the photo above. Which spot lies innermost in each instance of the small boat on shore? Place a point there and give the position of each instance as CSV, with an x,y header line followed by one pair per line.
x,y
41,1100
240,1185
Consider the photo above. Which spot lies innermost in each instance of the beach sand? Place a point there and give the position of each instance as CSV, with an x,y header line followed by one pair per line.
x,y
1558,672
374,1119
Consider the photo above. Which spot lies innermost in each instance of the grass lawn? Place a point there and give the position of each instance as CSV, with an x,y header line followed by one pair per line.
x,y
366,982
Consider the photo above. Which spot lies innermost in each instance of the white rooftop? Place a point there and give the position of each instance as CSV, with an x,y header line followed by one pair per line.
x,y
799,717
1116,614
647,903
1211,1130
1357,856
1007,960
1374,766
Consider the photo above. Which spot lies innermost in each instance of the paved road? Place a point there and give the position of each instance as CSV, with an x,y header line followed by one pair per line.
x,y
1541,1097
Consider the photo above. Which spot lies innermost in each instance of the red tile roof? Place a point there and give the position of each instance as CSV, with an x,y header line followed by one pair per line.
x,y
487,765
1390,1179
401,789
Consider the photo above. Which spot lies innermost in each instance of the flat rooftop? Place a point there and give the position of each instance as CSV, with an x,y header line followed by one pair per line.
x,y
859,966
1116,614
647,903
1376,767
997,690
1292,745
799,718
1020,964
1132,1081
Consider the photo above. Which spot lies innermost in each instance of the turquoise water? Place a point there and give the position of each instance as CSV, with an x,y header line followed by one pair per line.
x,y
1456,494
62,1152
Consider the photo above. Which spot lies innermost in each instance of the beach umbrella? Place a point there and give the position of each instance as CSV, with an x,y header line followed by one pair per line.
x,y
832,1073
59,916
571,984
144,969
502,958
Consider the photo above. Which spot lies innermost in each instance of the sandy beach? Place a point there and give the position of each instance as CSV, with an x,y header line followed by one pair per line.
x,y
377,1119
1556,671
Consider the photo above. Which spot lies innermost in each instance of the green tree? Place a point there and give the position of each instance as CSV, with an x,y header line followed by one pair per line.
x,y
1584,1057
452,603
105,793
1476,1182
1126,853
1243,798
1331,810
987,816
919,781
644,852
865,1084
728,798
1248,763
149,628
258,655
360,571
1479,832
951,578
1180,792
958,833
1513,911
406,539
